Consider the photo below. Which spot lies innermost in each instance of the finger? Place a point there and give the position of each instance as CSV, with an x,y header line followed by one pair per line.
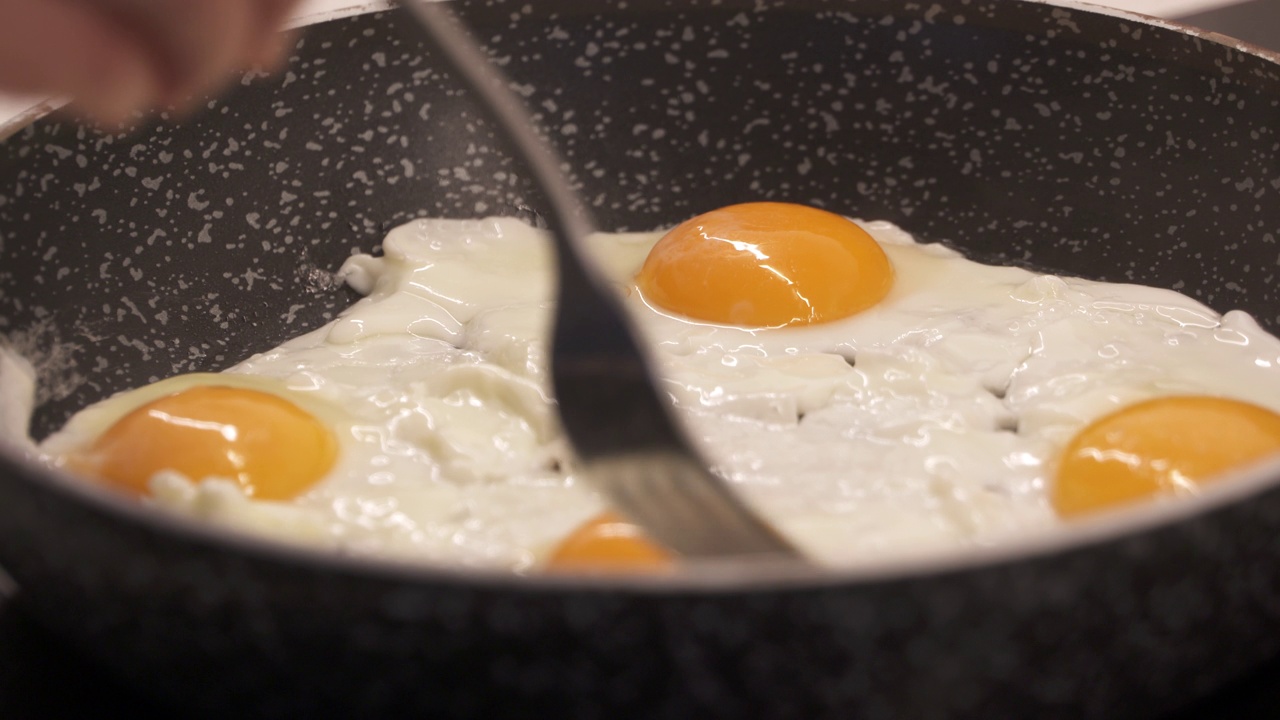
x,y
56,47
270,44
196,43
221,67
276,54
216,61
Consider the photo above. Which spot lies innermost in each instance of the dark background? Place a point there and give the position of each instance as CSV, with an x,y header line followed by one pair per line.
x,y
41,678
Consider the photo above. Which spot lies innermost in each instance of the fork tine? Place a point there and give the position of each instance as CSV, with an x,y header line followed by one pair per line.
x,y
682,505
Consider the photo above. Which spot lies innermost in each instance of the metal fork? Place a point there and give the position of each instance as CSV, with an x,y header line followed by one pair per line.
x,y
629,443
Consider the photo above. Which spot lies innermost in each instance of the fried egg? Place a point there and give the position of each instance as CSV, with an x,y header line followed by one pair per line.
x,y
872,396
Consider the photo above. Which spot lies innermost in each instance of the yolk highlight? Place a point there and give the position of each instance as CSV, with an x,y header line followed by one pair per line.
x,y
608,543
1162,446
766,265
268,445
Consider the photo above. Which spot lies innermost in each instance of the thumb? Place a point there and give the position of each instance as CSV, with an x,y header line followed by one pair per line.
x,y
56,47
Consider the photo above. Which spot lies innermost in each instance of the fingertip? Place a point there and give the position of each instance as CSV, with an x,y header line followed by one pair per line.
x,y
271,43
273,57
184,106
198,44
124,87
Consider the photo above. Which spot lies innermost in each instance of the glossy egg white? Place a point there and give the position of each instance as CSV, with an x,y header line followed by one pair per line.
x,y
929,421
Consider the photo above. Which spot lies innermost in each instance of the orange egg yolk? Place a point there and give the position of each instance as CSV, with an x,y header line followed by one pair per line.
x,y
1162,446
766,264
272,448
608,543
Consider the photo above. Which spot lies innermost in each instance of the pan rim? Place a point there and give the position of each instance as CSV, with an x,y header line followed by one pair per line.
x,y
1120,524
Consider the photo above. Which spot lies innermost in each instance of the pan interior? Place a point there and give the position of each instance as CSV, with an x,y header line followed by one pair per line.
x,y
1025,134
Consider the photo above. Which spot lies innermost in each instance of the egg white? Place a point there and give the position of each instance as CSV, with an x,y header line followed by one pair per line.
x,y
930,420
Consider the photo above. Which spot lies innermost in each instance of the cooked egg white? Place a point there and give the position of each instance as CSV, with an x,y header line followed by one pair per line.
x,y
18,391
930,419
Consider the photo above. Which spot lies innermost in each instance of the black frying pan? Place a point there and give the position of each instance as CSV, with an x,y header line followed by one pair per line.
x,y
1050,136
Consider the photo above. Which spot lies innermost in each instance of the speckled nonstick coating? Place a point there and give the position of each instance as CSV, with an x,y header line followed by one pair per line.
x,y
1051,136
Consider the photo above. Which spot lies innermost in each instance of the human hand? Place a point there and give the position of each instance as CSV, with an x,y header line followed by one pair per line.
x,y
118,57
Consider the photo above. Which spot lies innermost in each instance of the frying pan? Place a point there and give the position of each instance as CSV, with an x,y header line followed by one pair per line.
x,y
1053,136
